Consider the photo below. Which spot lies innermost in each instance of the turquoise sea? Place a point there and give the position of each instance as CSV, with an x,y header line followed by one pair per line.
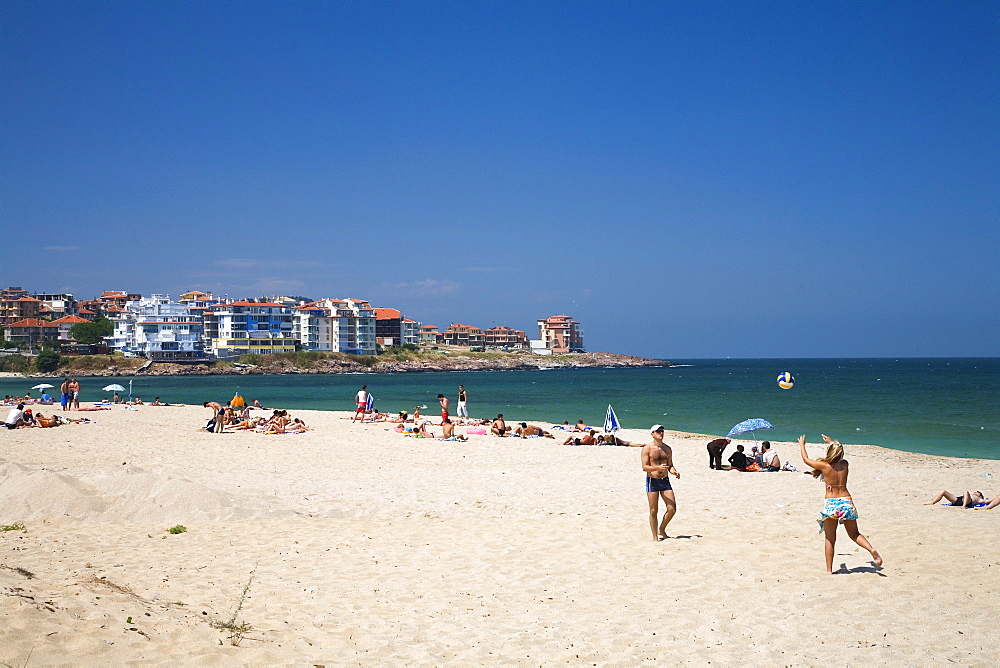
x,y
948,406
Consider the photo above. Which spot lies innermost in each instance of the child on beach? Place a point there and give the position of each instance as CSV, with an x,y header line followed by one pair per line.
x,y
838,507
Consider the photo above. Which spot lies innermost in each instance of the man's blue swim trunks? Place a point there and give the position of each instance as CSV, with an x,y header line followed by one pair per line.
x,y
658,484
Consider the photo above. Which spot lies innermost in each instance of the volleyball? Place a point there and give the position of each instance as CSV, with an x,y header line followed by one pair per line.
x,y
786,381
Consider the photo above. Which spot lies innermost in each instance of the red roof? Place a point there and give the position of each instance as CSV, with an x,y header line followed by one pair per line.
x,y
83,310
387,314
31,322
428,327
69,320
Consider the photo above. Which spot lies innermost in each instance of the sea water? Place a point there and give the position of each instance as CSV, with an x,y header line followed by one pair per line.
x,y
948,406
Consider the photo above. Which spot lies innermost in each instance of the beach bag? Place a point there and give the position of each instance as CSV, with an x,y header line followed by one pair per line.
x,y
211,425
754,468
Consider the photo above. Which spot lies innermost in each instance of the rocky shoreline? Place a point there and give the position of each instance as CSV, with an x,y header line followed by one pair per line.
x,y
423,363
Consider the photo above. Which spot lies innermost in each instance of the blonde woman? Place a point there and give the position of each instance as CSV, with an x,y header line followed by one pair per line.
x,y
838,507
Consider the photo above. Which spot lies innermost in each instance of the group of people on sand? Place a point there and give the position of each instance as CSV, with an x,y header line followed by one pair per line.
x,y
20,417
236,416
416,425
765,459
838,505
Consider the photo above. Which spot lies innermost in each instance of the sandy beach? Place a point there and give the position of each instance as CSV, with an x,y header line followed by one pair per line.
x,y
351,544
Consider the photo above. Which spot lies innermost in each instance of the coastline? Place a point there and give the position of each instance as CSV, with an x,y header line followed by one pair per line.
x,y
426,362
351,543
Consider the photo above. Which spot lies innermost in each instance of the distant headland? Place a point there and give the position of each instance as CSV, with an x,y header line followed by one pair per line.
x,y
392,361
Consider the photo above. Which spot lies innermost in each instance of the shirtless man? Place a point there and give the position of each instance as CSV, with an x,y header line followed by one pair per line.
x,y
362,399
445,403
586,439
463,402
216,408
499,427
658,462
66,396
74,394
525,430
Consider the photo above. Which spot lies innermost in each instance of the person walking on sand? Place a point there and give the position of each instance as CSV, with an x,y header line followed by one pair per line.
x,y
362,400
658,463
838,507
443,400
74,394
463,398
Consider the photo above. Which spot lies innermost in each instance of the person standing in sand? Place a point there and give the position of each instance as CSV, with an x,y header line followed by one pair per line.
x,y
658,463
362,400
74,394
445,403
463,398
839,506
64,390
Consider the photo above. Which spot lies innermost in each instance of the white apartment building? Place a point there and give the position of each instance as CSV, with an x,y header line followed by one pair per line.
x,y
160,330
349,326
243,327
313,327
411,332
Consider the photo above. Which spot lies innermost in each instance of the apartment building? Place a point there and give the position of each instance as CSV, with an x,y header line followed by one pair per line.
x,y
16,304
337,325
160,330
388,327
504,338
429,334
31,331
313,327
392,329
58,304
561,334
458,334
411,332
243,327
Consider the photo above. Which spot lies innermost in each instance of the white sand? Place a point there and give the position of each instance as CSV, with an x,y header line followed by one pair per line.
x,y
368,547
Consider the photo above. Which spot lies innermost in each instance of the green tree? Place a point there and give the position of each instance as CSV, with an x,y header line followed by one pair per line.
x,y
47,360
14,363
92,332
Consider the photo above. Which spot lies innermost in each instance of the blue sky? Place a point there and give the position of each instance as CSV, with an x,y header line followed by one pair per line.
x,y
686,179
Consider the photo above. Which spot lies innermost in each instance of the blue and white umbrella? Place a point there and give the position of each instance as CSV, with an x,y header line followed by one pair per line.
x,y
749,426
611,421
370,403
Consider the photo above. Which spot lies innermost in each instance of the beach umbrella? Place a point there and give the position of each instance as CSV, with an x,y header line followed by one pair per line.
x,y
611,421
370,404
42,386
749,427
113,388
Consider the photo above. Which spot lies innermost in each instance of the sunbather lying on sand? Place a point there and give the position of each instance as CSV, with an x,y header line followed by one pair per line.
x,y
586,439
524,430
967,500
